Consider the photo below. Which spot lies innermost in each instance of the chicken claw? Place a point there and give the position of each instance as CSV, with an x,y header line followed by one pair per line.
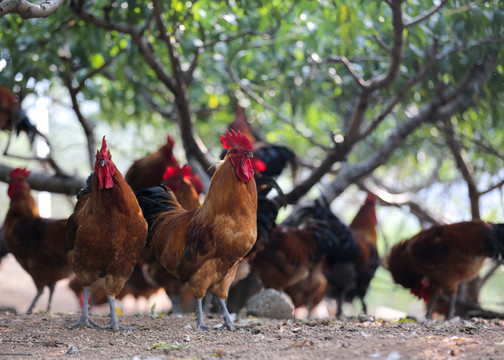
x,y
114,322
228,323
84,319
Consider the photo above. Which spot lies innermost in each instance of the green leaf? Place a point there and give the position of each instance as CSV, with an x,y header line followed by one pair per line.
x,y
97,60
165,346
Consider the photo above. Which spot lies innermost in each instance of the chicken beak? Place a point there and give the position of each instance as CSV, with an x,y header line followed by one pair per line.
x,y
250,154
102,162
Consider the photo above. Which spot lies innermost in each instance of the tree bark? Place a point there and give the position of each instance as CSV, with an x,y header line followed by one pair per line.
x,y
28,10
46,182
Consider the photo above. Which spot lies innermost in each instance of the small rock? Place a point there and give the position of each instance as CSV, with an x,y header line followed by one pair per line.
x,y
394,355
365,335
271,304
365,318
72,350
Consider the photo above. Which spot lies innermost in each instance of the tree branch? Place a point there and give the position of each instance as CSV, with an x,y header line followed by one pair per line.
x,y
193,145
492,188
28,10
69,185
353,127
418,19
87,125
438,107
395,52
463,164
270,108
402,92
349,67
408,199
136,36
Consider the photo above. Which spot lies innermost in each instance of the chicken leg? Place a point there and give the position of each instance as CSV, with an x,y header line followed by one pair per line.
x,y
30,309
84,319
451,308
39,292
199,314
432,301
228,323
51,292
114,322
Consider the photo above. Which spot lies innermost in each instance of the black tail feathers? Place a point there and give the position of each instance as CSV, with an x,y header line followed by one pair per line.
x,y
153,201
334,240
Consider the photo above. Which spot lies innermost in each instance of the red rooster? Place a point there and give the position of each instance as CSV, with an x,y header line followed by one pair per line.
x,y
148,171
203,246
436,260
13,117
105,234
297,254
37,244
269,160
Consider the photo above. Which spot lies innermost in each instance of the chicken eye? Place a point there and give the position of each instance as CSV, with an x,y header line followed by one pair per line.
x,y
235,151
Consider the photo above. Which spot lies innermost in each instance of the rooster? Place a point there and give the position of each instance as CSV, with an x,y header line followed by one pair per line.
x,y
148,171
295,257
363,227
350,255
13,117
149,275
203,246
270,160
180,181
105,235
436,260
37,244
246,283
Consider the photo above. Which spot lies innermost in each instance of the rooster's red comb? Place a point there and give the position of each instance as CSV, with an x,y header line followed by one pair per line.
x,y
170,141
237,139
19,172
103,152
371,198
172,171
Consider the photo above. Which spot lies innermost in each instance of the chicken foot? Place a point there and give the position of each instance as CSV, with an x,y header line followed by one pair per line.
x,y
84,319
228,323
30,309
114,322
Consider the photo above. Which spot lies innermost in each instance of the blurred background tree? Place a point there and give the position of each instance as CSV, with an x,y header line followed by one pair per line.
x,y
404,99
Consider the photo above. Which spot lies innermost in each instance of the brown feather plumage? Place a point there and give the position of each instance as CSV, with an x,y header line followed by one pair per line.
x,y
148,171
203,246
37,244
106,234
436,260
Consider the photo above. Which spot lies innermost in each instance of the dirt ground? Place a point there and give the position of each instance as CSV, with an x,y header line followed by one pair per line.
x,y
45,335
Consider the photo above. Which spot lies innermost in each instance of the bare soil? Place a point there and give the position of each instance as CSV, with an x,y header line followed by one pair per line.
x,y
45,335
